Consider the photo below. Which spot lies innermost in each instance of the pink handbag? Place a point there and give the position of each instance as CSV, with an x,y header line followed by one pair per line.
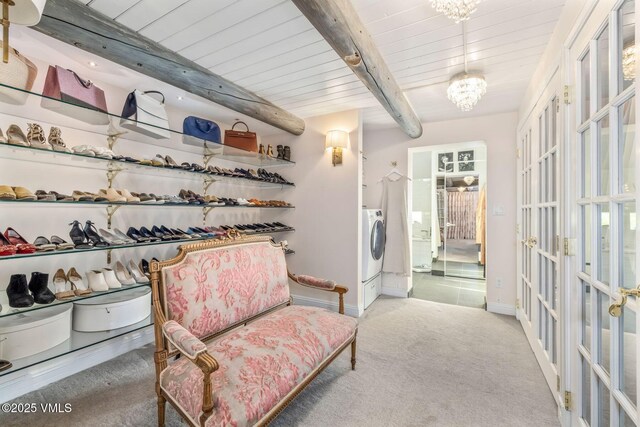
x,y
66,86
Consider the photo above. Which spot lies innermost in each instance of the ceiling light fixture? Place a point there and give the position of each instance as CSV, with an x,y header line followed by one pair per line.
x,y
462,189
458,10
466,88
180,98
92,64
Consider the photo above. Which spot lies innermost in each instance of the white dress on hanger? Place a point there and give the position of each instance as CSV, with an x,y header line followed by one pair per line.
x,y
396,220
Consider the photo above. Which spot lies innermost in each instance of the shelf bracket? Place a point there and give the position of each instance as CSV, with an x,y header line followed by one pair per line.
x,y
111,175
205,213
208,180
111,210
210,153
113,135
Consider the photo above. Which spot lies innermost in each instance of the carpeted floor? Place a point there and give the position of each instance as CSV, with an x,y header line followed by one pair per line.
x,y
420,363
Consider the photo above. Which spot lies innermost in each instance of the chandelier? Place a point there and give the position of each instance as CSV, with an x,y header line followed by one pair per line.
x,y
629,62
458,10
465,90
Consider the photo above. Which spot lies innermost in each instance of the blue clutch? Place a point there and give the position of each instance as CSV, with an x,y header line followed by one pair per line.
x,y
197,129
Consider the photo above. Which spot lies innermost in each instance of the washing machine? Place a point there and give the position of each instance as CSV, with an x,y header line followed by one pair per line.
x,y
372,254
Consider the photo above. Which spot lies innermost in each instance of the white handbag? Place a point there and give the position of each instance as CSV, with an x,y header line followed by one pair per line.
x,y
18,73
145,114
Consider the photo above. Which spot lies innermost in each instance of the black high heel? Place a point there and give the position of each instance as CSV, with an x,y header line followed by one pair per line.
x,y
170,233
146,233
18,292
78,237
92,234
39,289
160,234
136,235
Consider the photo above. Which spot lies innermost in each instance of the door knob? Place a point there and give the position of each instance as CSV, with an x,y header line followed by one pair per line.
x,y
615,309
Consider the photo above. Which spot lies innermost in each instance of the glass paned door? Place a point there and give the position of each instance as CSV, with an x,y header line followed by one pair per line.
x,y
603,203
539,234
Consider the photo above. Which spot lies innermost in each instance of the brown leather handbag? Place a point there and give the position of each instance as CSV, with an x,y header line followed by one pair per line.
x,y
246,140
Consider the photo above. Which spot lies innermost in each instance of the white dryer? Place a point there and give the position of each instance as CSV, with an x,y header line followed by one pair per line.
x,y
372,253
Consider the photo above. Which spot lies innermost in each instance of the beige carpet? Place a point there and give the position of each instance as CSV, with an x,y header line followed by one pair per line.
x,y
420,363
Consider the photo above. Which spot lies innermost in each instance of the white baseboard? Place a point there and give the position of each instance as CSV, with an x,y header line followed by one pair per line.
x,y
37,376
395,292
350,310
500,308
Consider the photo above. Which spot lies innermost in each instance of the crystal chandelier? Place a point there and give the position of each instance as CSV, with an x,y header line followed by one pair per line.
x,y
458,10
629,62
465,90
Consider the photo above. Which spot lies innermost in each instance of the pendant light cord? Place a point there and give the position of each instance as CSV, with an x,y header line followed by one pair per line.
x,y
464,45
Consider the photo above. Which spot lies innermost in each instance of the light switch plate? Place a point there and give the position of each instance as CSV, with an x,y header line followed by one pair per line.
x,y
498,210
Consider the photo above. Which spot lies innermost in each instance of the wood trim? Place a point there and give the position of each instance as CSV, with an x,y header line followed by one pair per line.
x,y
339,289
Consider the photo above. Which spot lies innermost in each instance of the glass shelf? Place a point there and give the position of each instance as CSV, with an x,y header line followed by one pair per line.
x,y
75,116
284,230
11,311
77,341
17,152
148,205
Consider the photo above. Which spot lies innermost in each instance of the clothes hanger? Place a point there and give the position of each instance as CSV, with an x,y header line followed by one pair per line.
x,y
394,171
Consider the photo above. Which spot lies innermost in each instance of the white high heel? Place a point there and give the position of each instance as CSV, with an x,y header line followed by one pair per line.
x,y
136,273
97,281
110,278
122,274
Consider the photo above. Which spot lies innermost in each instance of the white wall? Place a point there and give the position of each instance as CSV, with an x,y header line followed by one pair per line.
x,y
499,133
327,215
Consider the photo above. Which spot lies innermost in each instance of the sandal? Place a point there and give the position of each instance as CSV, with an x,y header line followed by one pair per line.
x,y
170,162
23,193
60,283
15,136
7,193
92,234
78,286
61,244
79,239
22,246
43,244
35,136
55,139
46,197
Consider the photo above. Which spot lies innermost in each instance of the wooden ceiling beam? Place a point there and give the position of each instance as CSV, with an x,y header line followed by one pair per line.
x,y
79,25
340,25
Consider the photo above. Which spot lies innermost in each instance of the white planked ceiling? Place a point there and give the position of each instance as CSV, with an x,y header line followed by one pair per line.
x,y
268,47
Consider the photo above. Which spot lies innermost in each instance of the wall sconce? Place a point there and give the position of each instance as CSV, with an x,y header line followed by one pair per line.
x,y
23,12
336,140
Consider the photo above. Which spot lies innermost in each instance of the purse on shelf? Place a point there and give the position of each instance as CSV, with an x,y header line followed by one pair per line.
x,y
66,86
145,114
19,73
244,140
197,131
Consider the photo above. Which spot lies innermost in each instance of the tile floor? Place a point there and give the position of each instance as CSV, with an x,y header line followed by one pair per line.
x,y
449,290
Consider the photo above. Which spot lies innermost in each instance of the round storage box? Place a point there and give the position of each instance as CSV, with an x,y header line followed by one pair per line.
x,y
28,333
112,311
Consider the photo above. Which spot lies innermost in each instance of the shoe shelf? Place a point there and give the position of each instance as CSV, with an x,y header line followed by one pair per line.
x,y
67,116
6,310
148,205
78,341
281,230
114,166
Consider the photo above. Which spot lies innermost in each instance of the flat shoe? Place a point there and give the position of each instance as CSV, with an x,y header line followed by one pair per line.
x,y
61,244
46,197
15,136
7,193
44,245
22,246
24,193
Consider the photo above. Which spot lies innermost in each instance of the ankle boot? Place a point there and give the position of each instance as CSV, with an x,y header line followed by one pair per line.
x,y
18,292
38,285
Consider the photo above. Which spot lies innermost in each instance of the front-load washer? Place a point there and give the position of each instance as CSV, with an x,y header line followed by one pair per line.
x,y
372,243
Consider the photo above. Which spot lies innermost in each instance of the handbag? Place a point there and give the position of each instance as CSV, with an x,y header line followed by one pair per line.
x,y
196,130
66,86
246,140
18,73
144,114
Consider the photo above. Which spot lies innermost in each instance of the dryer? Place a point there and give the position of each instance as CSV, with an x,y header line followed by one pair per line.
x,y
372,253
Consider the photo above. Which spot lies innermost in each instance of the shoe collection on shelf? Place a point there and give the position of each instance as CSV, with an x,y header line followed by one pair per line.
x,y
45,144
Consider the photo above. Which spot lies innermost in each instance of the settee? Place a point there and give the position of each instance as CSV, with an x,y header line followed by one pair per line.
x,y
231,348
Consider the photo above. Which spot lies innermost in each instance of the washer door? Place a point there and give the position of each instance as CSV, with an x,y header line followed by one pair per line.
x,y
377,240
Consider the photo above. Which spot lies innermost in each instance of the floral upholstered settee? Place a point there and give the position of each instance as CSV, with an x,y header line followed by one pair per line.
x,y
245,351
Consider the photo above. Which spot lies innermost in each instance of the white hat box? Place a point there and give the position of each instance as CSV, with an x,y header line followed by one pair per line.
x,y
112,311
32,332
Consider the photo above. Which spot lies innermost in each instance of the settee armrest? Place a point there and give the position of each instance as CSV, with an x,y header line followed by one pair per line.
x,y
183,340
323,285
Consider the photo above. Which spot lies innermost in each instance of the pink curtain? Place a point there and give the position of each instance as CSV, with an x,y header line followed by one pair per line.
x,y
461,214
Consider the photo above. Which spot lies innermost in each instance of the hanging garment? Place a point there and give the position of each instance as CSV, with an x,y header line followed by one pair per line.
x,y
481,228
462,211
396,221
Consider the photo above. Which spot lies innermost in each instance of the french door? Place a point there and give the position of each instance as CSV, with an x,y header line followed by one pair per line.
x,y
602,185
539,234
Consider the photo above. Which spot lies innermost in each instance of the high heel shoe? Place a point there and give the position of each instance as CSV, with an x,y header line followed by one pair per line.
x,y
39,289
78,237
18,292
136,273
122,274
6,248
92,234
96,280
161,234
147,233
111,279
137,236
169,232
77,284
22,246
120,235
111,238
60,284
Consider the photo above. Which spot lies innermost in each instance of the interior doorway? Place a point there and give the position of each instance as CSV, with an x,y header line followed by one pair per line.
x,y
448,223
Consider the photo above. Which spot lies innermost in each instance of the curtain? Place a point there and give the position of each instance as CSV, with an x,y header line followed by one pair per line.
x,y
461,214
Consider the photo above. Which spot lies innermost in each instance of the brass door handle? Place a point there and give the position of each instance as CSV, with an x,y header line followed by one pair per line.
x,y
530,242
615,309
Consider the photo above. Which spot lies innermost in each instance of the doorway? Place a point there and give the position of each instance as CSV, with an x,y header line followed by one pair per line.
x,y
448,222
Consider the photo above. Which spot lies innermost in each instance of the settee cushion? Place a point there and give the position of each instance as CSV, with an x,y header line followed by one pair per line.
x,y
212,289
260,363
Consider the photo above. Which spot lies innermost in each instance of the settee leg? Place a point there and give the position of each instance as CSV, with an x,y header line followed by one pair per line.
x,y
353,355
161,405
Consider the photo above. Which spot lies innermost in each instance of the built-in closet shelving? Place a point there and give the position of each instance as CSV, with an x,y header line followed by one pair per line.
x,y
114,136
